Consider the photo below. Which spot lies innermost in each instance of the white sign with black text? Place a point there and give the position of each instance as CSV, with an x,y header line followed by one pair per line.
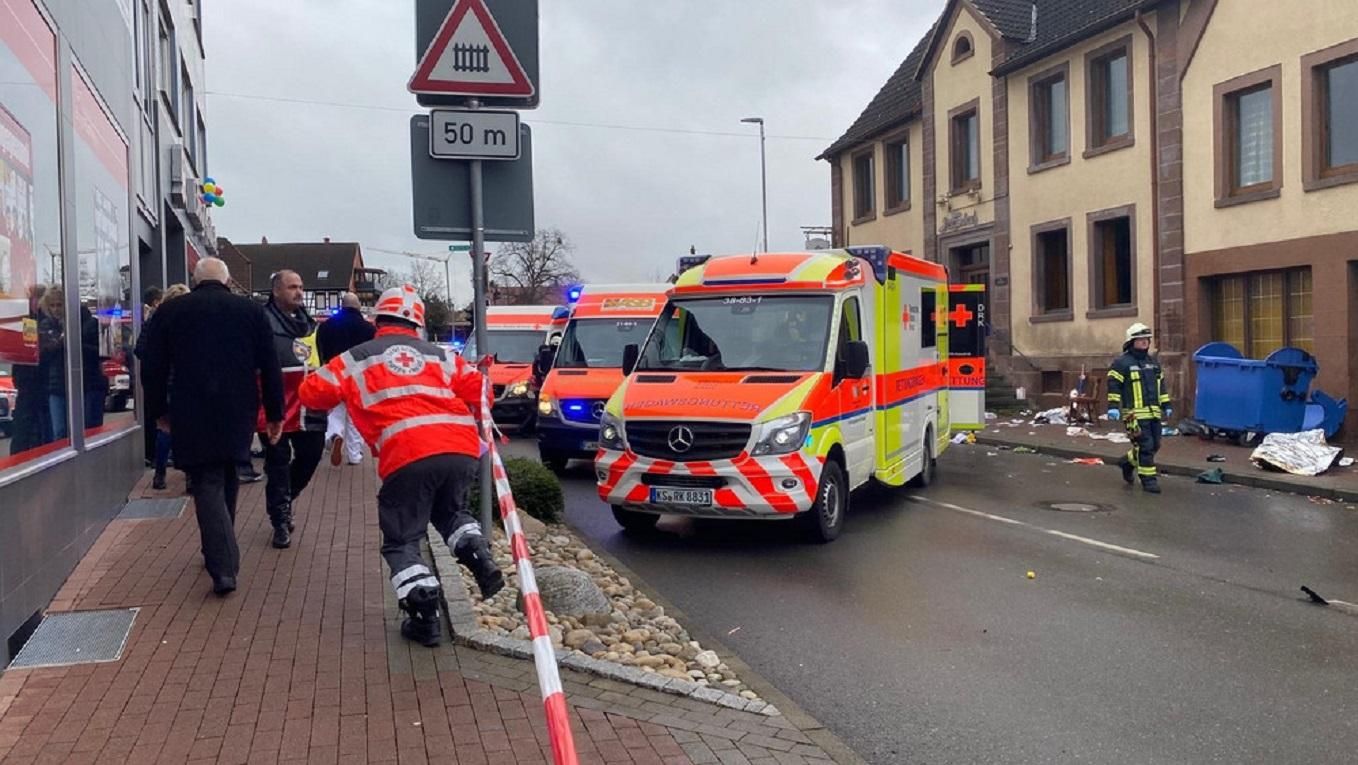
x,y
473,134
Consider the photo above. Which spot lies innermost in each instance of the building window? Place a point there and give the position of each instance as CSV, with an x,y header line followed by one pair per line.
x,y
1261,312
169,70
963,47
864,187
202,147
897,174
1109,83
1330,116
1249,138
1051,271
965,123
145,57
1112,253
187,114
1049,118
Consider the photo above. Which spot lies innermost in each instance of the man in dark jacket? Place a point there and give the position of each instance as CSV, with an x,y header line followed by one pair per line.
x,y
290,463
206,363
342,331
1137,397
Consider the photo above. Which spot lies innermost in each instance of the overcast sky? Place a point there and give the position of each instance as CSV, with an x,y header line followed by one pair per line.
x,y
298,161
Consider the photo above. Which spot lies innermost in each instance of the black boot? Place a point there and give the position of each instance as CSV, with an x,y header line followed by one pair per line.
x,y
423,625
1150,485
474,552
282,527
1128,470
158,481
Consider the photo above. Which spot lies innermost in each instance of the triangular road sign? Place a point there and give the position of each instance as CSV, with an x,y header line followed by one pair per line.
x,y
469,56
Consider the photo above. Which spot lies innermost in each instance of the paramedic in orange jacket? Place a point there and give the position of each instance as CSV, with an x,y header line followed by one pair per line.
x,y
415,406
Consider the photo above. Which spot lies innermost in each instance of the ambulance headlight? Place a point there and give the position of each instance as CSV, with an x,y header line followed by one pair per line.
x,y
545,405
783,435
610,433
517,390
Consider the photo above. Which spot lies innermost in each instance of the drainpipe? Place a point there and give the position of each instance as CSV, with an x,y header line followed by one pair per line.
x,y
1155,162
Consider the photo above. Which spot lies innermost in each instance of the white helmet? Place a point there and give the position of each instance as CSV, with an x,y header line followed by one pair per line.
x,y
402,303
1138,331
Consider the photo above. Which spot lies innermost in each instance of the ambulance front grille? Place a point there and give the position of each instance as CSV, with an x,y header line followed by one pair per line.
x,y
711,440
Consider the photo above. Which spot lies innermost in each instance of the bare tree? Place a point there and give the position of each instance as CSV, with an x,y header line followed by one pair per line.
x,y
426,277
527,273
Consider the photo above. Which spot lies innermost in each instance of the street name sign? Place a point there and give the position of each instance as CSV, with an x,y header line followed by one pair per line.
x,y
473,134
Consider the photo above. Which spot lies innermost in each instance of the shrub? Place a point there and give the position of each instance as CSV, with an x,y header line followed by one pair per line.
x,y
537,491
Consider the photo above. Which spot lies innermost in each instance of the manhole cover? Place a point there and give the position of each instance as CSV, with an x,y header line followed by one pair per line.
x,y
77,637
1075,507
139,509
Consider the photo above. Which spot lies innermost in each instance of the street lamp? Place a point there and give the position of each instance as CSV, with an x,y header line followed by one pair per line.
x,y
763,177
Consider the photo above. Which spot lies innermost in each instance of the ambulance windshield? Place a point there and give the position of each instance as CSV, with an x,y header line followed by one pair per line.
x,y
741,333
598,343
510,346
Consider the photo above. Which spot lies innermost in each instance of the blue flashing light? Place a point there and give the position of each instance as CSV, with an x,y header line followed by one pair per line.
x,y
573,293
561,313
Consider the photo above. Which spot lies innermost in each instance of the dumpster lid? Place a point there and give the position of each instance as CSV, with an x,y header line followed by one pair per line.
x,y
1291,357
1218,351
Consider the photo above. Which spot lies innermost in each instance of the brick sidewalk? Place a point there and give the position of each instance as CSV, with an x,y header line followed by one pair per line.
x,y
304,663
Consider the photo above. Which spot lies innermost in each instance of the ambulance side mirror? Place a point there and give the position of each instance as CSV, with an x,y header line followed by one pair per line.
x,y
856,360
630,354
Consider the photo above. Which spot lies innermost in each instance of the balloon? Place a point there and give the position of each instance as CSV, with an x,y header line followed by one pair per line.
x,y
210,188
219,202
208,198
217,190
209,180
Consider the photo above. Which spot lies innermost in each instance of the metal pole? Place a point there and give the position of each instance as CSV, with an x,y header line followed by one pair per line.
x,y
448,287
764,185
479,311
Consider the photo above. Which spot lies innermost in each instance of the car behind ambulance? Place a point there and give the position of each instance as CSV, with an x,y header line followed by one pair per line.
x,y
771,386
587,367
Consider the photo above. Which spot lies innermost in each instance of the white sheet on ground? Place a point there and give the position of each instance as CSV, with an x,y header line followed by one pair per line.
x,y
1303,453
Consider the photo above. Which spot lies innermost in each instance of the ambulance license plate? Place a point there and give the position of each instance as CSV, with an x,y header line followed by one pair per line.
x,y
695,497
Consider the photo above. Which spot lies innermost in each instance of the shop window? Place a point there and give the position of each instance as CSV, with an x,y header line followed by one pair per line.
x,y
1261,312
103,240
33,304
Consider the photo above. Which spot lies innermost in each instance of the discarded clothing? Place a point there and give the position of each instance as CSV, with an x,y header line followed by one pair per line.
x,y
1086,461
1055,416
1215,475
1303,453
1215,458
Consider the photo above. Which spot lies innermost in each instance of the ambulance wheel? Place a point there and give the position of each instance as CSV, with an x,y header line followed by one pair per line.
x,y
929,469
825,519
633,521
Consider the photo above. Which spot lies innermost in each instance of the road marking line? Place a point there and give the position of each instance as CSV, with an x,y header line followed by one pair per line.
x,y
1052,532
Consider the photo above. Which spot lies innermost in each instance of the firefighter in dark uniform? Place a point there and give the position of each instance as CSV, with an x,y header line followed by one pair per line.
x,y
415,405
1137,397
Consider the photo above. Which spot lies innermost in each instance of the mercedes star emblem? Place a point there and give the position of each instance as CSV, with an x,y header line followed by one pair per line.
x,y
597,410
681,439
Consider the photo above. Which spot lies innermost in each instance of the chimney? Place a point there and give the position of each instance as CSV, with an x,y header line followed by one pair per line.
x,y
326,239
264,240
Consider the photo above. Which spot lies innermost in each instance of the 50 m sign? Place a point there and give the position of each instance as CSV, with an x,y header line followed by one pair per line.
x,y
473,134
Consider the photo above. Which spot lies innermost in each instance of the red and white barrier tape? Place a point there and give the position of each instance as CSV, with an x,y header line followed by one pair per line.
x,y
544,657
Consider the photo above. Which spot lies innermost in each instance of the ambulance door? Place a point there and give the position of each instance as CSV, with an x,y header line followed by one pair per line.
x,y
857,420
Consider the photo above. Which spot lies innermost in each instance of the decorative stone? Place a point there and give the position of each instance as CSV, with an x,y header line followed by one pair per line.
x,y
593,647
708,660
571,592
577,638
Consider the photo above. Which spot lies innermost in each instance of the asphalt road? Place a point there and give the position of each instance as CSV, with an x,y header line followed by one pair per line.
x,y
1155,630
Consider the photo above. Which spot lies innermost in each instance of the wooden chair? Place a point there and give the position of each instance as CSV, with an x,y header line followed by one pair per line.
x,y
1084,407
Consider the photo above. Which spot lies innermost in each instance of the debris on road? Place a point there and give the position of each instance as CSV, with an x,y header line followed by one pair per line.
x,y
1216,458
991,416
1314,597
1303,453
1024,450
960,438
1032,574
1055,416
1215,475
1086,461
1345,461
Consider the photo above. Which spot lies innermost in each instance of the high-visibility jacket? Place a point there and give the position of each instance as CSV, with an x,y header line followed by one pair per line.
x,y
408,398
1136,385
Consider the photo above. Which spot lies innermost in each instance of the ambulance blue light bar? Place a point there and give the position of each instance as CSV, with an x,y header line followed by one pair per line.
x,y
691,261
573,293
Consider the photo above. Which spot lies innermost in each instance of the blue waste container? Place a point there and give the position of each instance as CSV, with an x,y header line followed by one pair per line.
x,y
1241,395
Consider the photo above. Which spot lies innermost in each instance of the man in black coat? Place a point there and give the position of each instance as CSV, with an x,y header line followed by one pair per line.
x,y
206,363
342,331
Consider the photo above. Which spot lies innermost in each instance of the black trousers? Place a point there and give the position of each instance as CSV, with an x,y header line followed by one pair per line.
x,y
432,490
1145,443
288,466
214,498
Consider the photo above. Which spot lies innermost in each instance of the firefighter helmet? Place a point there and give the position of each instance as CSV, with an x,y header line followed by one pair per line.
x,y
402,303
1138,331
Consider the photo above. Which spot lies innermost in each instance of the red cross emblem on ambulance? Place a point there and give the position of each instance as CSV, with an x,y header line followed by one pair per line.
x,y
403,360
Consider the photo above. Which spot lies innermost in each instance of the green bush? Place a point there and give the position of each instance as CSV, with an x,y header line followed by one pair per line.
x,y
537,491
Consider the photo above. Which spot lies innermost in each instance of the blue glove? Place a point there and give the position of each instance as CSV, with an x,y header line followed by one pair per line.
x,y
1169,413
1114,414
